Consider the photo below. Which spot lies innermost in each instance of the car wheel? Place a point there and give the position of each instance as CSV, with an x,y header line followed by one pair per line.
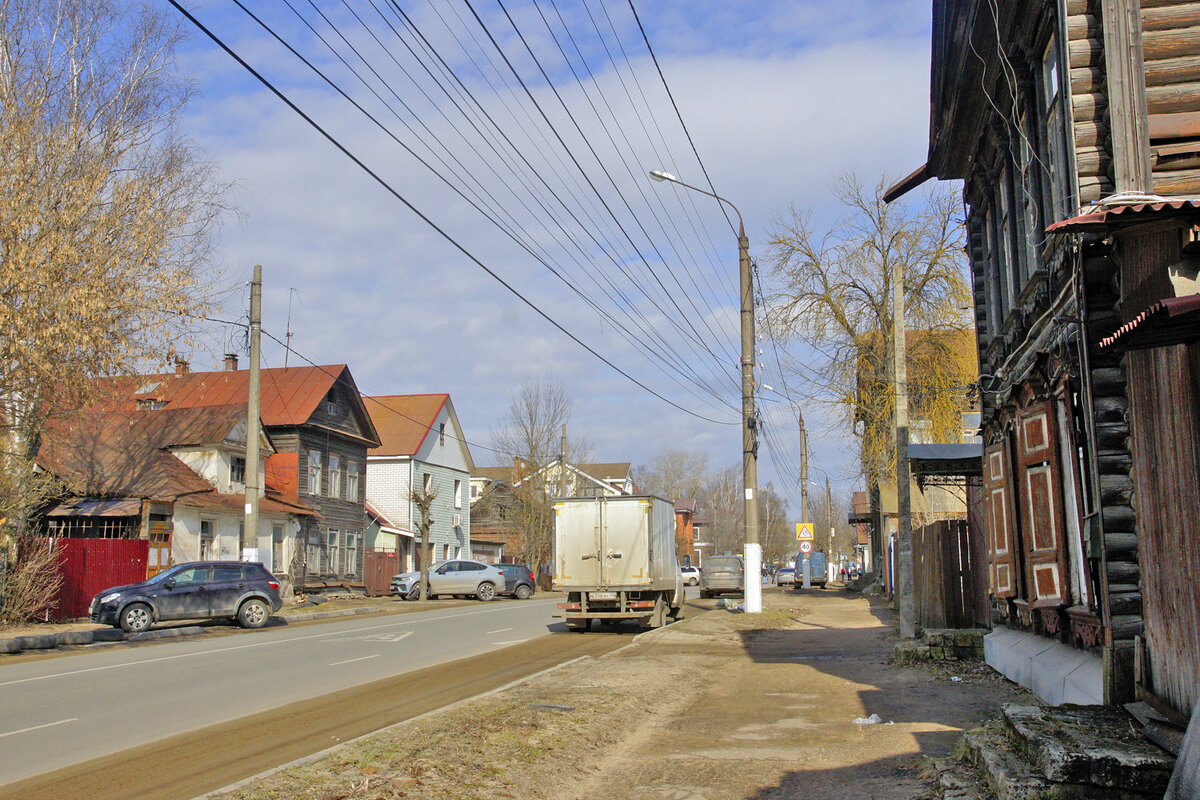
x,y
693,582
254,613
413,593
524,592
486,592
136,617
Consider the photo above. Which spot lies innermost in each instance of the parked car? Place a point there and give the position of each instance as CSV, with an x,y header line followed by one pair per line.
x,y
722,574
785,576
691,575
518,581
818,569
242,591
461,576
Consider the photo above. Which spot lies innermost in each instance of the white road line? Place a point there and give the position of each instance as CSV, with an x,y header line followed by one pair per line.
x,y
513,641
352,660
499,630
253,645
39,727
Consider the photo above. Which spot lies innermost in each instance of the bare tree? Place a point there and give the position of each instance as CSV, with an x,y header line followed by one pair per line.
x,y
834,290
674,474
423,500
778,541
107,216
720,500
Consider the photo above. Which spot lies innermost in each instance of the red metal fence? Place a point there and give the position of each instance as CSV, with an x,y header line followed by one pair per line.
x,y
949,577
88,566
378,568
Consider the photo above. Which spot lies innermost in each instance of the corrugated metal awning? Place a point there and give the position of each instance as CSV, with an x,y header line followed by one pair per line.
x,y
123,507
946,459
1104,219
1172,320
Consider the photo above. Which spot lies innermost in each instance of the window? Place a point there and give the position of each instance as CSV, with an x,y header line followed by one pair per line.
x,y
241,538
1058,198
335,551
474,491
335,476
352,480
458,494
277,548
350,560
314,471
206,540
428,483
442,434
237,469
226,574
314,552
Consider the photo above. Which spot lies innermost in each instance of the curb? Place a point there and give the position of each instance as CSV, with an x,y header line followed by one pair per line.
x,y
49,641
345,612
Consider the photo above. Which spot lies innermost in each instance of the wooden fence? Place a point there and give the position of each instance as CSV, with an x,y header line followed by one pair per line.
x,y
949,576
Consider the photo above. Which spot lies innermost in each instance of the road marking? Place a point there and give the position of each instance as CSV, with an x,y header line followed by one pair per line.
x,y
514,641
222,650
384,637
39,727
500,630
352,660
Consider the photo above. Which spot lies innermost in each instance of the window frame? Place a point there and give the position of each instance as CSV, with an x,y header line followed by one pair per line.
x,y
335,476
237,471
314,472
458,493
352,484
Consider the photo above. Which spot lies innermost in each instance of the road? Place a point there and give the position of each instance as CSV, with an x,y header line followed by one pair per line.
x,y
118,706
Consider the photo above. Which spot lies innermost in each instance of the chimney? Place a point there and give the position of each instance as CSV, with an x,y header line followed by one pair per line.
x,y
181,366
231,362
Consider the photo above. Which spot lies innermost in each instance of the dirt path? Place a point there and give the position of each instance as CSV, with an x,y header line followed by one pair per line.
x,y
722,706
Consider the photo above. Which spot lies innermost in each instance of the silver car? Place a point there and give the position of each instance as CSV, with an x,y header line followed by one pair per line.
x,y
722,574
460,576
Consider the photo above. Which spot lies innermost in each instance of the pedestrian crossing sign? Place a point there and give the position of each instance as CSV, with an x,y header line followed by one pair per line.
x,y
804,531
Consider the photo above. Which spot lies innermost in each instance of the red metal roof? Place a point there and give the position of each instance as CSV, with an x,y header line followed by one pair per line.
x,y
290,395
1172,320
403,421
1102,220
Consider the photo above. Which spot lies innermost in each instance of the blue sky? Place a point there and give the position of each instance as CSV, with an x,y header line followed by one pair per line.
x,y
779,98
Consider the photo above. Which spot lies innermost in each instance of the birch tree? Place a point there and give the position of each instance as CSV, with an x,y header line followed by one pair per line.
x,y
107,215
833,289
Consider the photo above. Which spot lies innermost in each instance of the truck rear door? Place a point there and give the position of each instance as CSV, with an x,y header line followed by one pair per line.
x,y
625,544
577,543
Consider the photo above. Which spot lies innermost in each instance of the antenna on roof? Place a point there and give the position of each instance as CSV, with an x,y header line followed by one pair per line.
x,y
287,337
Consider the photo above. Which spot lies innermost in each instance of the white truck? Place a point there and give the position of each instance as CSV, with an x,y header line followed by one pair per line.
x,y
614,557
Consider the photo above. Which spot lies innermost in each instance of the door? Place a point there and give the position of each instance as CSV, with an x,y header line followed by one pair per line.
x,y
158,557
184,595
228,585
999,521
577,543
1041,505
444,579
624,543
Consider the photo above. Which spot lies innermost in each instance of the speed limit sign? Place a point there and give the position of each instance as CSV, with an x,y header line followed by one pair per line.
x,y
806,547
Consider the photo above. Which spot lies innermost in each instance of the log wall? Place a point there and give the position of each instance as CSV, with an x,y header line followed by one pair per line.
x,y
1089,101
1171,60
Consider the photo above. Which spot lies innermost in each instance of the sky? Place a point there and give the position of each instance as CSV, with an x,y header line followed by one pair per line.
x,y
525,132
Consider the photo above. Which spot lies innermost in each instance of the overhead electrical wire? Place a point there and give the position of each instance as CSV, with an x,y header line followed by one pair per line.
x,y
428,221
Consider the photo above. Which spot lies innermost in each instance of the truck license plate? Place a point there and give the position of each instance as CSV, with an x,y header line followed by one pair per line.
x,y
602,595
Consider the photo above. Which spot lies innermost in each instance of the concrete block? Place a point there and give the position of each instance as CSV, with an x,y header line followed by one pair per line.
x,y
108,635
10,645
1057,673
44,641
74,637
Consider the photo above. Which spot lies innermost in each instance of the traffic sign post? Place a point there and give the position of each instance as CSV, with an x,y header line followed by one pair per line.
x,y
806,547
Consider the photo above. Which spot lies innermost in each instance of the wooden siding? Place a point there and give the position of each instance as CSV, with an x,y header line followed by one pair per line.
x,y
1089,102
1166,440
948,573
1171,62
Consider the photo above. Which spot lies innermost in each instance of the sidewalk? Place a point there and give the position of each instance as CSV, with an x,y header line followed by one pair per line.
x,y
723,705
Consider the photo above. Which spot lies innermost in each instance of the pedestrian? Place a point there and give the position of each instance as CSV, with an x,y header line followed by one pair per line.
x,y
843,574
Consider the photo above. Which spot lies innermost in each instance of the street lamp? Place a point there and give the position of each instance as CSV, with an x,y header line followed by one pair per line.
x,y
753,550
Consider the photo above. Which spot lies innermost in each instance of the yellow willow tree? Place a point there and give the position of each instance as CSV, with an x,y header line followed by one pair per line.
x,y
833,289
106,214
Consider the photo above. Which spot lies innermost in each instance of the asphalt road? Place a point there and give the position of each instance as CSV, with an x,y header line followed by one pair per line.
x,y
59,712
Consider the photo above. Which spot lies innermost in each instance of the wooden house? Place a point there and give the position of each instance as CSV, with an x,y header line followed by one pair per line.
x,y
1075,127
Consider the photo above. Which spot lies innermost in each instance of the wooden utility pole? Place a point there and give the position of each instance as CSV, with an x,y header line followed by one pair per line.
x,y
904,555
829,520
805,563
253,403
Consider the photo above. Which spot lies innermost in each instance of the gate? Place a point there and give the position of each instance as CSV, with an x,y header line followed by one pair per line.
x,y
89,566
378,568
947,574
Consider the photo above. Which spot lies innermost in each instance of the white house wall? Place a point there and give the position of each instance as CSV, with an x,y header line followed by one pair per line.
x,y
444,533
185,535
448,453
389,488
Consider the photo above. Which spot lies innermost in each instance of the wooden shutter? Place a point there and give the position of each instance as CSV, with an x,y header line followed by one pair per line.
x,y
1000,533
1041,505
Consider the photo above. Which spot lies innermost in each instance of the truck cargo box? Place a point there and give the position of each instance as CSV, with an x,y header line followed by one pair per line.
x,y
622,542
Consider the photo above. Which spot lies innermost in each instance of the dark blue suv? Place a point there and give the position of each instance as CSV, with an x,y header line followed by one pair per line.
x,y
243,591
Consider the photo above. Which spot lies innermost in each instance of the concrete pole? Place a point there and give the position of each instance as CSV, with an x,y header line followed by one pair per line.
x,y
562,463
806,564
753,550
253,403
904,555
829,562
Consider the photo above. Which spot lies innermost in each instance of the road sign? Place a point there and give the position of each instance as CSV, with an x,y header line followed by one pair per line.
x,y
806,547
804,531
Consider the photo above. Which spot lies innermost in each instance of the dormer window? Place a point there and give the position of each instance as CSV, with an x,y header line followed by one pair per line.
x,y
150,404
237,469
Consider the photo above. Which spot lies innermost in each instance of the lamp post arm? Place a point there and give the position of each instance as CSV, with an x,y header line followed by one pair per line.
x,y
741,226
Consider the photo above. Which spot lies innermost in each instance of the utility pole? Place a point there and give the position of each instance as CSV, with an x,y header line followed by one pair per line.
x,y
829,522
562,463
806,564
752,554
253,403
904,554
